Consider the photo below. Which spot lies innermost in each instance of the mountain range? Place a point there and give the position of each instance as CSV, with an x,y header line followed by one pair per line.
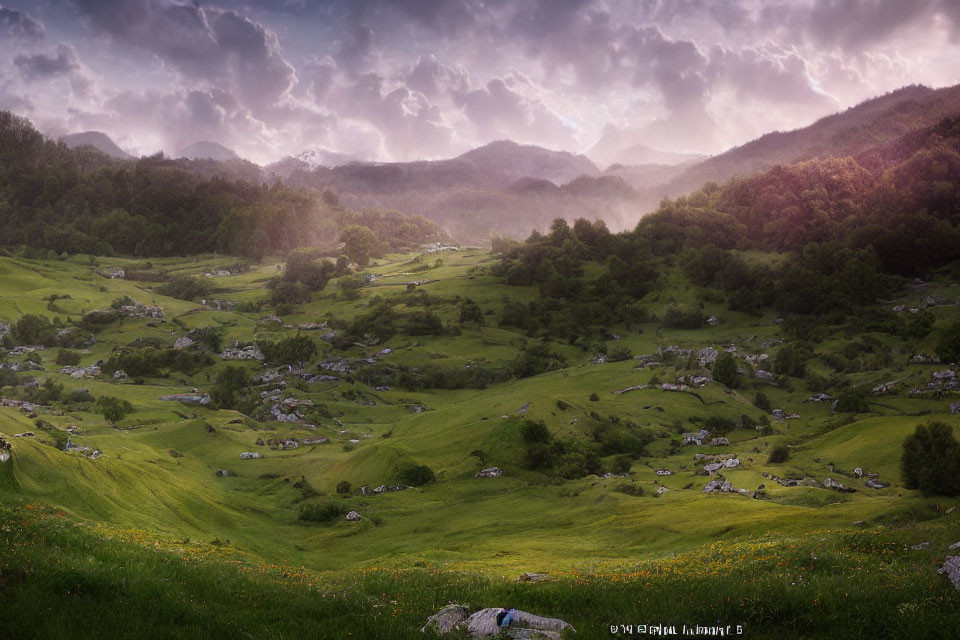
x,y
510,188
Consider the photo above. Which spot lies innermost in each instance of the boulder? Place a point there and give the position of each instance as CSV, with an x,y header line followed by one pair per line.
x,y
731,463
492,472
830,483
528,576
522,411
872,483
447,619
720,442
662,490
222,473
951,569
353,516
713,467
250,455
183,342
483,624
955,408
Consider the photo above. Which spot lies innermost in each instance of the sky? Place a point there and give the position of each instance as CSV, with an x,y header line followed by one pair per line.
x,y
423,79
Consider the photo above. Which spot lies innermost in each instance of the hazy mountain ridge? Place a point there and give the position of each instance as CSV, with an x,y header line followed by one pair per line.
x,y
206,150
848,133
98,140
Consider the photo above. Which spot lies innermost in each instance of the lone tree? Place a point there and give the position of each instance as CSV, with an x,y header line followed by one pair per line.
x,y
725,371
113,409
931,460
359,244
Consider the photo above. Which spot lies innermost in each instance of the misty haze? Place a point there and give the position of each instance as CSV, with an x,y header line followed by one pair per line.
x,y
463,319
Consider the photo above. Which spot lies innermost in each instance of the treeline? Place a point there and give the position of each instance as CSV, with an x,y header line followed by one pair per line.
x,y
901,199
81,201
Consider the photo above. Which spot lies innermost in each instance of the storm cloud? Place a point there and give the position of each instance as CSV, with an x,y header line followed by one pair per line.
x,y
409,79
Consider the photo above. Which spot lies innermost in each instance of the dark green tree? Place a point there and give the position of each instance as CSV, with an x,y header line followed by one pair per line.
x,y
931,460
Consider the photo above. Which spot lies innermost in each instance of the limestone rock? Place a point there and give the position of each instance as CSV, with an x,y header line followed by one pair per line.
x,y
353,516
492,472
250,455
447,619
951,569
222,473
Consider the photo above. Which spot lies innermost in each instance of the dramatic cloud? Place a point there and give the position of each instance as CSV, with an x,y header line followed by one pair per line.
x,y
408,79
17,24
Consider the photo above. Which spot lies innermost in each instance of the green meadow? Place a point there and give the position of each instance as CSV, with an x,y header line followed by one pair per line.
x,y
148,541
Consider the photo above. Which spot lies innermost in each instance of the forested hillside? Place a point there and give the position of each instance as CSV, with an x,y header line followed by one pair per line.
x,y
81,201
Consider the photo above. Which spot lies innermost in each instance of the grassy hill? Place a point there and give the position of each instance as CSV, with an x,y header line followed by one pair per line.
x,y
83,535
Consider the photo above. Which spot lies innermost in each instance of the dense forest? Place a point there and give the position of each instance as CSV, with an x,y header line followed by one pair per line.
x,y
82,201
848,229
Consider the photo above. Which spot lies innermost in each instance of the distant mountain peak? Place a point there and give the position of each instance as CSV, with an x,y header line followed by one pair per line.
x,y
96,139
516,161
206,150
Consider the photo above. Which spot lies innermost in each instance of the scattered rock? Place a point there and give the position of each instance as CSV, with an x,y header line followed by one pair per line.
x,y
920,547
626,389
222,473
873,483
492,472
353,516
830,483
447,619
486,624
951,569
250,455
188,398
522,411
532,577
246,353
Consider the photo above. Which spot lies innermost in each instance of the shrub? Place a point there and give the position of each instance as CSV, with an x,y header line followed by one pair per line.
x,y
537,456
725,371
762,402
185,288
416,475
931,460
778,454
67,358
322,513
619,354
534,431
675,318
470,312
621,465
594,397
298,348
948,347
343,486
630,489
852,401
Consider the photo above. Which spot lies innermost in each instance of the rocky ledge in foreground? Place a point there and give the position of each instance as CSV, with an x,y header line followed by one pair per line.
x,y
487,623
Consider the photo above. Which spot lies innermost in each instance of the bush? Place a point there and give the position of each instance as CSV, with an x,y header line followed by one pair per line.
x,y
778,454
289,293
619,354
322,513
594,397
762,402
725,371
292,350
675,318
537,456
416,475
534,431
67,358
630,489
185,288
470,312
931,460
621,465
948,347
852,401
343,486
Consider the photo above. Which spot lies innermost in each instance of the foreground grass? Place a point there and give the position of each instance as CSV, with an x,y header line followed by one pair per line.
x,y
61,578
